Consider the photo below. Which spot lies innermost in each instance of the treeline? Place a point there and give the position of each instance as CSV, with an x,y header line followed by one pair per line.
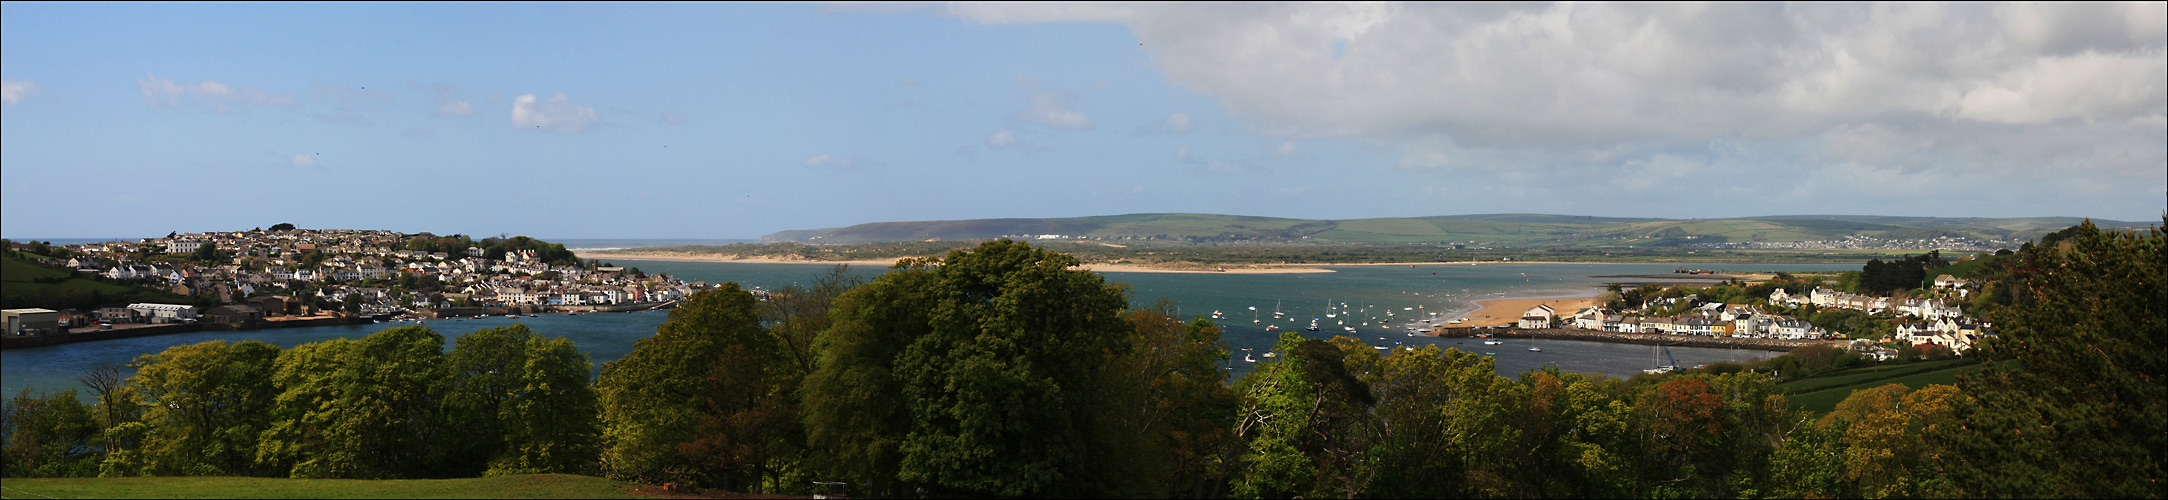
x,y
493,248
394,404
999,372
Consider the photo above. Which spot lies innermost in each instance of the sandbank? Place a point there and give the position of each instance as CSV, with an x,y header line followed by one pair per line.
x,y
1105,268
1503,312
710,257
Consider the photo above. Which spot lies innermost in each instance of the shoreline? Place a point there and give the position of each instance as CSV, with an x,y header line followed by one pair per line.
x,y
1277,268
1762,344
891,262
1507,311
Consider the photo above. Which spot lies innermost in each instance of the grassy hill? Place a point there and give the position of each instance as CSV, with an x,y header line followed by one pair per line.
x,y
526,486
1821,394
1504,230
29,284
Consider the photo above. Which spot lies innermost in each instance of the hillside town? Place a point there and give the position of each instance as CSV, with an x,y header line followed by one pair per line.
x,y
258,276
1918,321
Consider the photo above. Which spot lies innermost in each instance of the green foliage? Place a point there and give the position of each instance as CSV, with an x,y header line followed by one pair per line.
x,y
550,253
208,403
523,402
652,399
855,412
2082,410
1000,389
522,486
1909,272
25,283
371,408
282,226
49,435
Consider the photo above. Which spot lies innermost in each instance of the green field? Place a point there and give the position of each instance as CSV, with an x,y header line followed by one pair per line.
x,y
1825,396
527,486
19,286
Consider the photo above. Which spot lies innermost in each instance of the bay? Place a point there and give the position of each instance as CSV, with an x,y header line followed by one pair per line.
x,y
1411,292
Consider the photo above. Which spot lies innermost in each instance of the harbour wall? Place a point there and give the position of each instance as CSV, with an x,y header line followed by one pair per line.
x,y
1779,345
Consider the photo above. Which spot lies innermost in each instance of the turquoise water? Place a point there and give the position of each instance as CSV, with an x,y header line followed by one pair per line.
x,y
1369,290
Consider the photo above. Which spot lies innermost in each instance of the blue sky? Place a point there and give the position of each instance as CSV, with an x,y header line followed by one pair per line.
x,y
737,120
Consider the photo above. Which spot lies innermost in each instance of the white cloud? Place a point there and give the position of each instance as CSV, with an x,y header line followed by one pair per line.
x,y
1178,123
13,91
449,100
1585,88
1052,108
824,160
218,96
304,160
1001,139
556,115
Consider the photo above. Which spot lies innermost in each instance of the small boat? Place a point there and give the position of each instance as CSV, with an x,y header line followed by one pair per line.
x,y
1492,342
1535,349
1270,354
1246,358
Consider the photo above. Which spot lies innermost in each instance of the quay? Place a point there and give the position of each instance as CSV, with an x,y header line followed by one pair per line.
x,y
1779,345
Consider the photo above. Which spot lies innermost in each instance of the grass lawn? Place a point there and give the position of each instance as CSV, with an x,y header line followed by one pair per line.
x,y
527,486
1824,400
1855,376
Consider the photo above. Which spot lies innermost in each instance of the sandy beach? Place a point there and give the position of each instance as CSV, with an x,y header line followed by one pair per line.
x,y
1105,268
1501,312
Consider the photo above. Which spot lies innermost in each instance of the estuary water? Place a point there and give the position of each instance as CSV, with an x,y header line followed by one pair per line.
x,y
1409,292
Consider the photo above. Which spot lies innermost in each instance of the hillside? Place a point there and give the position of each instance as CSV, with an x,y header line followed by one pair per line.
x,y
1500,230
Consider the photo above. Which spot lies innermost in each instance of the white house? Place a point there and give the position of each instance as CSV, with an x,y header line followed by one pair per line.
x,y
165,313
183,246
1538,317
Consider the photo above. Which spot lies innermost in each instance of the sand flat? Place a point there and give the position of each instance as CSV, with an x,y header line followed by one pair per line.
x,y
1504,312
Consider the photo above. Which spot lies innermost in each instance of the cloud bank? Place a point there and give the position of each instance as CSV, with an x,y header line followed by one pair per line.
x,y
556,115
1909,93
217,96
13,91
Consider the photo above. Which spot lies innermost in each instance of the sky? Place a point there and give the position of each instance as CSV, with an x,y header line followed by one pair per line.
x,y
737,120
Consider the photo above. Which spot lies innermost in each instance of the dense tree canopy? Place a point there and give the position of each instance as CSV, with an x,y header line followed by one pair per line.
x,y
1002,371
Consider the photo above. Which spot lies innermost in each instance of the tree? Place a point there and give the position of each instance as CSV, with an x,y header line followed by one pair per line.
x,y
50,435
282,226
1182,415
372,408
206,403
524,402
854,410
1000,388
2069,399
652,398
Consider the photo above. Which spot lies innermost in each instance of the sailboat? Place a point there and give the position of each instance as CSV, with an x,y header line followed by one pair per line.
x,y
1253,316
1276,310
1666,355
1246,358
